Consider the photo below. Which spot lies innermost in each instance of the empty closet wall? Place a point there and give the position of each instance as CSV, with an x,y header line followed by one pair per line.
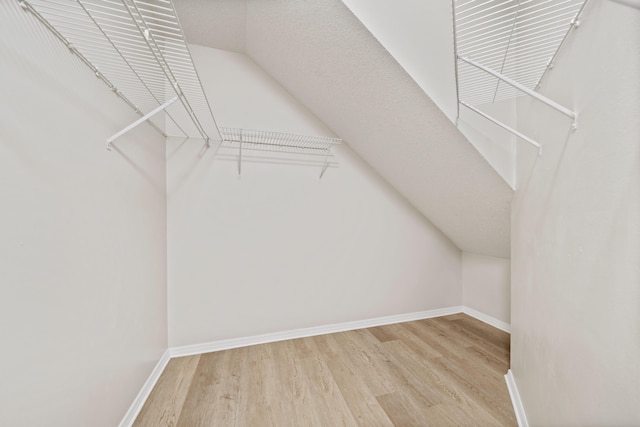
x,y
277,248
486,285
83,246
576,237
419,35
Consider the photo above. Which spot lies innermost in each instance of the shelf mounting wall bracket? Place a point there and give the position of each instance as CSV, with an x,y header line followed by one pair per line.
x,y
521,88
503,49
140,120
505,127
138,48
248,139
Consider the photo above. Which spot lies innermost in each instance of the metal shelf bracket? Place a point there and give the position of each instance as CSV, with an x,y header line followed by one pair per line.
x,y
140,120
138,49
505,127
521,88
276,141
521,39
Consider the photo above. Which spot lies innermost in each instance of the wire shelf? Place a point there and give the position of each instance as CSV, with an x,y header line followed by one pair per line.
x,y
138,49
516,38
278,142
278,139
503,49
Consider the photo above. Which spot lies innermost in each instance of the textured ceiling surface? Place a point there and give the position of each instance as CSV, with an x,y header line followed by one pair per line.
x,y
323,55
213,23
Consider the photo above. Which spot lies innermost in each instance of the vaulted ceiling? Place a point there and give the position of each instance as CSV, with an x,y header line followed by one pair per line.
x,y
323,55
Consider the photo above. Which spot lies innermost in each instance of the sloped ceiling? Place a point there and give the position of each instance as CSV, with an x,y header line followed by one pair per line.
x,y
322,54
214,23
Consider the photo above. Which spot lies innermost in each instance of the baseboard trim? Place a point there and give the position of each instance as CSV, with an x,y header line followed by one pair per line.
x,y
518,408
189,350
503,326
145,391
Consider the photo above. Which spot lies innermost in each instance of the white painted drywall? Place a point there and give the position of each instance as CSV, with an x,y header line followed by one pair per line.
x,y
419,35
276,248
83,246
486,285
495,144
219,23
329,61
576,233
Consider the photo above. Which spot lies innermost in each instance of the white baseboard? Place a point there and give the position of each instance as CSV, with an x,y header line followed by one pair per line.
x,y
518,408
142,396
487,319
208,347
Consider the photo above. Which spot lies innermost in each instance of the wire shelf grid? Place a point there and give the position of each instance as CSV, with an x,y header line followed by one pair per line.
x,y
516,38
138,49
250,139
278,139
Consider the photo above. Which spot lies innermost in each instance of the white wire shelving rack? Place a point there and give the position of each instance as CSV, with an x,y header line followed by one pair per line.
x,y
249,139
137,48
504,48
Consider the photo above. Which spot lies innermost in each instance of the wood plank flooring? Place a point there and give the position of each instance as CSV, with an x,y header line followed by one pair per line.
x,y
446,371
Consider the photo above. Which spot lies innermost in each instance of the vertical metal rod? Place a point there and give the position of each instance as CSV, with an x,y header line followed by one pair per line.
x,y
140,120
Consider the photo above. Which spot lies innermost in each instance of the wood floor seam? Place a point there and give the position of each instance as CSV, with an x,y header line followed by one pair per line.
x,y
442,371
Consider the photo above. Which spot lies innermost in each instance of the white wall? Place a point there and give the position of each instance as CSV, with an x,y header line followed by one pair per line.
x,y
486,285
278,249
83,247
219,22
496,145
419,35
576,233
323,55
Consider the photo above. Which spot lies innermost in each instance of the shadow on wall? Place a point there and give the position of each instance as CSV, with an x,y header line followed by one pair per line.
x,y
229,151
256,153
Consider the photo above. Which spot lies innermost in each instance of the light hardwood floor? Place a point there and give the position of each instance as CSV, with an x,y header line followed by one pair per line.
x,y
446,371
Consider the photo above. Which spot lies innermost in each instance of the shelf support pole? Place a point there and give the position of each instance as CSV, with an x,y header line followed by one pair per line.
x,y
522,88
140,120
505,127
